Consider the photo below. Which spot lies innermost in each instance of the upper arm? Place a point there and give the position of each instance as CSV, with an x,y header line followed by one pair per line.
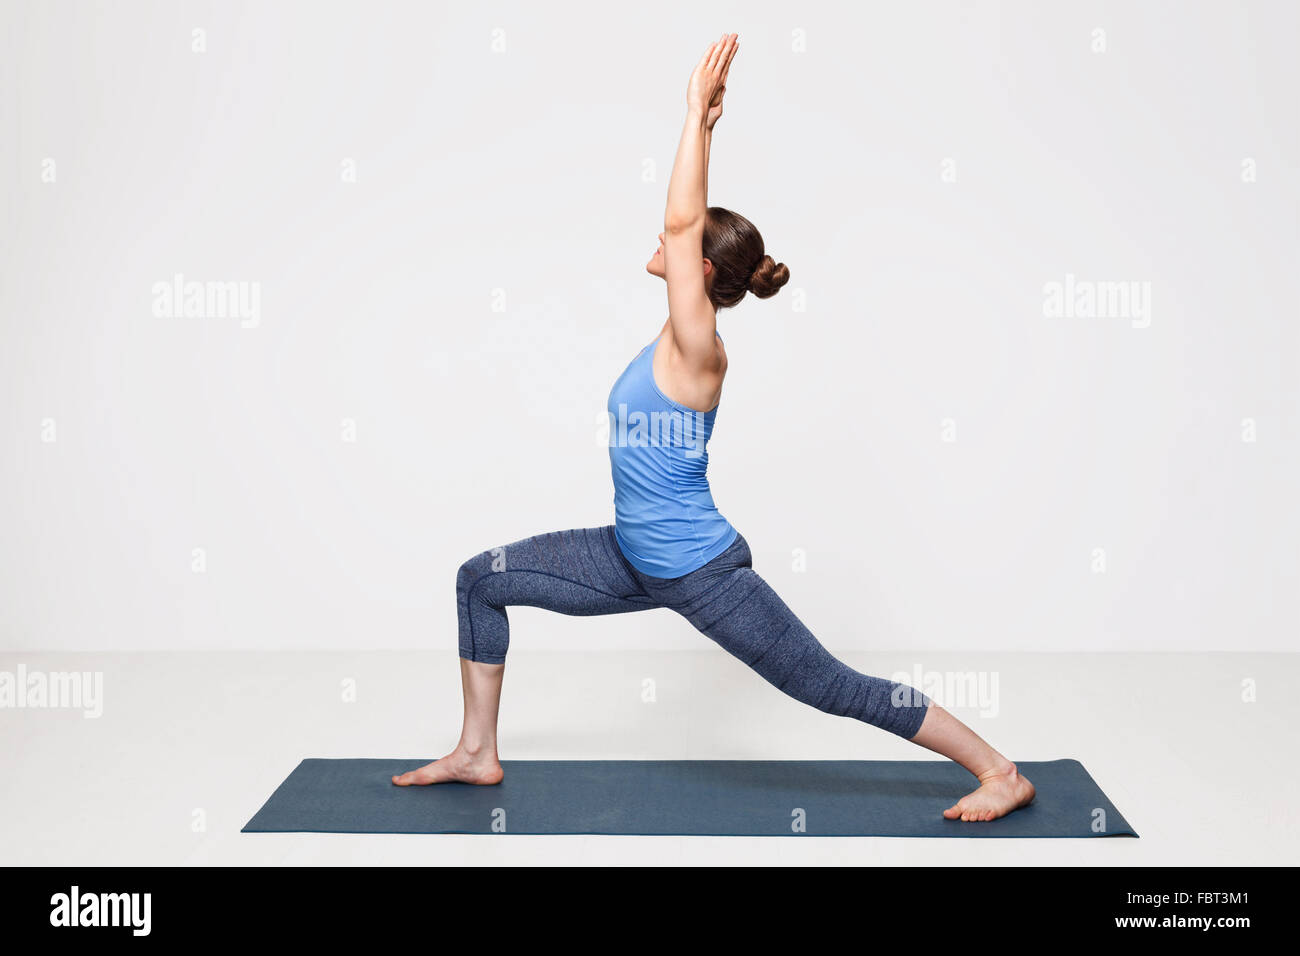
x,y
693,318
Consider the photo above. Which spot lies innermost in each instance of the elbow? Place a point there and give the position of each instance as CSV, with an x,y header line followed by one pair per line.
x,y
674,224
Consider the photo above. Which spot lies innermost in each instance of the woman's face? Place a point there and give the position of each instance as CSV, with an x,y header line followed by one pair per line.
x,y
656,264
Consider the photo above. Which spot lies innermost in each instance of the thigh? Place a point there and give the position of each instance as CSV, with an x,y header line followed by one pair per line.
x,y
731,604
578,571
748,619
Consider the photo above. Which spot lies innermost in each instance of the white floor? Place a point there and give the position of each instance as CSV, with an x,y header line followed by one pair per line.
x,y
190,745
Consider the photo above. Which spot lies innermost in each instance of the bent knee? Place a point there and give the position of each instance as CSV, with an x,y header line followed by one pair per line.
x,y
474,568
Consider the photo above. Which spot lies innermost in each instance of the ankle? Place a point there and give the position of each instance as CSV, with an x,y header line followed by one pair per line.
x,y
1003,768
478,749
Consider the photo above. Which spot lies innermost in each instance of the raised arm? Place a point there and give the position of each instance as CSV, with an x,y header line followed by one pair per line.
x,y
693,318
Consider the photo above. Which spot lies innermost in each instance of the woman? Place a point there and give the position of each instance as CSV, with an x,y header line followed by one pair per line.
x,y
669,546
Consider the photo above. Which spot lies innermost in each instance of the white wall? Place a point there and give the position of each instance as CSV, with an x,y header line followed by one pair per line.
x,y
541,170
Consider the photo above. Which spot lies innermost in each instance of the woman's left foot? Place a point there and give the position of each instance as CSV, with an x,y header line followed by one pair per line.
x,y
998,795
481,767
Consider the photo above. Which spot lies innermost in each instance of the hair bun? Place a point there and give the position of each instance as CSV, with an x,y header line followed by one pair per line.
x,y
768,277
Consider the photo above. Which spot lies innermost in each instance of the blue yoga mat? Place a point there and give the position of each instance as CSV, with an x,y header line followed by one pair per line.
x,y
903,798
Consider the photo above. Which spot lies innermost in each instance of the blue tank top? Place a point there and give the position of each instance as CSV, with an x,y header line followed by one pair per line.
x,y
665,521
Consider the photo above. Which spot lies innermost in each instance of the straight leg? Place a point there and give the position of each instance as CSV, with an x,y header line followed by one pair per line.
x,y
740,612
732,605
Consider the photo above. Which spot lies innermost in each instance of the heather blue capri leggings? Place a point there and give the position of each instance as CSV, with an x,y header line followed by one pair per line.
x,y
583,572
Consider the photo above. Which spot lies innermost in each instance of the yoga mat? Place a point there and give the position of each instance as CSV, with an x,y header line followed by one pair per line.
x,y
903,798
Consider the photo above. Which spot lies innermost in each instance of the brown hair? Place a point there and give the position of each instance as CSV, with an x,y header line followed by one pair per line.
x,y
740,264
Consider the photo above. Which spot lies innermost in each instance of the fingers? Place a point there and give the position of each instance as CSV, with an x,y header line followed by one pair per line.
x,y
719,50
713,67
730,56
711,59
713,55
704,60
725,52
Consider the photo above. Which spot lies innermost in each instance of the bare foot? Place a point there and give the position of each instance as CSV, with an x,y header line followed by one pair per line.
x,y
481,768
998,794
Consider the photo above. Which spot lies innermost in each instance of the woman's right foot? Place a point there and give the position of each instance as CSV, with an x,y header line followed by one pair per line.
x,y
998,794
459,765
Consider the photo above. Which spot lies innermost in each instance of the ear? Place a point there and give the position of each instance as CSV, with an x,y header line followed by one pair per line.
x,y
708,268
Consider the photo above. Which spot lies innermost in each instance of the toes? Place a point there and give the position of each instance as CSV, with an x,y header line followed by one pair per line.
x,y
966,810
